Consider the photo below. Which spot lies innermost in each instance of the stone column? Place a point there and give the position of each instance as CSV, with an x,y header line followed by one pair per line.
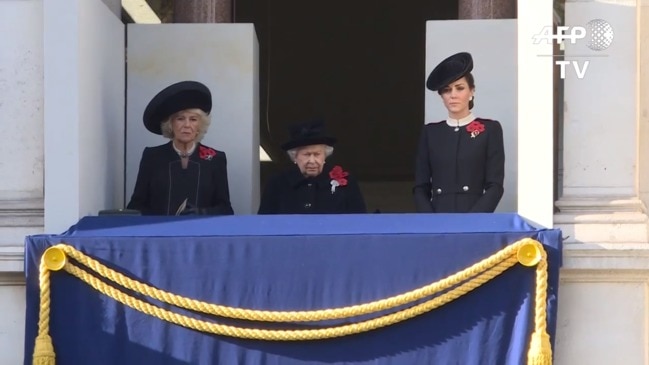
x,y
643,114
480,9
606,258
534,115
21,160
601,197
83,121
21,105
203,11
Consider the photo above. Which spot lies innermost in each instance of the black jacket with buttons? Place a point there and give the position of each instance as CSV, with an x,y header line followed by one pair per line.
x,y
291,193
459,173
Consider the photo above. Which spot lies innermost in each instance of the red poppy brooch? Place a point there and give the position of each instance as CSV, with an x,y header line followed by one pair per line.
x,y
338,177
475,128
206,153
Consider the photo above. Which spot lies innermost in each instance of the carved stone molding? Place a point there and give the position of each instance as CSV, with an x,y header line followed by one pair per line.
x,y
21,213
596,261
12,259
601,204
12,279
18,218
602,220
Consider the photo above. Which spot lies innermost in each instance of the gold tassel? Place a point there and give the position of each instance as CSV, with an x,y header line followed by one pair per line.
x,y
53,259
43,351
540,352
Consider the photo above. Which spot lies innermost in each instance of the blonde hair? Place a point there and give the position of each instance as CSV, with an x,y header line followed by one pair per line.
x,y
292,153
204,123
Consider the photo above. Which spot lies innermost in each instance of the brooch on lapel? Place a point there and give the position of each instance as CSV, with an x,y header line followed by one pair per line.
x,y
206,153
337,176
475,128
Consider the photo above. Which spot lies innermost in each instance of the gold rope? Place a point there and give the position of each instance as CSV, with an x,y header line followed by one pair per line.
x,y
293,316
527,251
288,335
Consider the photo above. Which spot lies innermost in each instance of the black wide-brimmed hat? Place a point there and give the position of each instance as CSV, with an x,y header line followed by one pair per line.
x,y
174,98
451,69
308,133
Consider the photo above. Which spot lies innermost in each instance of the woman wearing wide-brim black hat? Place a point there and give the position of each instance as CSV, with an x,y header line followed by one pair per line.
x,y
311,185
182,176
460,164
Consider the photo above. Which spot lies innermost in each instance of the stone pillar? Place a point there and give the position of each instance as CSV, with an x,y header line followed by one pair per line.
x,y
643,115
203,11
600,201
534,119
21,104
21,160
480,9
83,119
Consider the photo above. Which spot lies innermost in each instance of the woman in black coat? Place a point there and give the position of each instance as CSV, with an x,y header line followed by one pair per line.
x,y
311,185
182,176
460,164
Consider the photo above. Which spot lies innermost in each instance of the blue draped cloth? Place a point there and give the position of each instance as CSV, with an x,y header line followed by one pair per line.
x,y
293,263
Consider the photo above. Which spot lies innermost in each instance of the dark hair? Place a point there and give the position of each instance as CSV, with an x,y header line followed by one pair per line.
x,y
470,81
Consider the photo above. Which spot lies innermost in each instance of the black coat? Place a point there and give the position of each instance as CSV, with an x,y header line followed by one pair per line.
x,y
162,184
458,173
291,193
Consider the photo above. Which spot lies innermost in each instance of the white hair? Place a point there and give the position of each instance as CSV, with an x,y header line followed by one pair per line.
x,y
204,123
292,153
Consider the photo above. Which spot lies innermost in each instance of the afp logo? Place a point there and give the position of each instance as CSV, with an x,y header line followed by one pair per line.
x,y
597,32
598,35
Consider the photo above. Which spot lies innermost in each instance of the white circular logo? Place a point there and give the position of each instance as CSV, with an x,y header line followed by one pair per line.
x,y
600,34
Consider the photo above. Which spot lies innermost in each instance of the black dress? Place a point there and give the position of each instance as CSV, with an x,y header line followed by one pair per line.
x,y
458,171
162,184
291,193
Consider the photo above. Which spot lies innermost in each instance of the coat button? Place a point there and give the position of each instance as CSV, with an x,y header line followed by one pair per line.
x,y
439,191
307,205
465,188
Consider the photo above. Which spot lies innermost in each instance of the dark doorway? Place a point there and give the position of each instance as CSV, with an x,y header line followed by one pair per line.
x,y
358,65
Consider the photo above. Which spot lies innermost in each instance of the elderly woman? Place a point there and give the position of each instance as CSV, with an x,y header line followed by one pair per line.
x,y
182,176
311,185
460,164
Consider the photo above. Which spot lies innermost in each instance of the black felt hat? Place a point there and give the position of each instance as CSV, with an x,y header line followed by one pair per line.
x,y
308,133
174,98
451,69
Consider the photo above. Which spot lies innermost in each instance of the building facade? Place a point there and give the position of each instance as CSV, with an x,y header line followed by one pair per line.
x,y
598,195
